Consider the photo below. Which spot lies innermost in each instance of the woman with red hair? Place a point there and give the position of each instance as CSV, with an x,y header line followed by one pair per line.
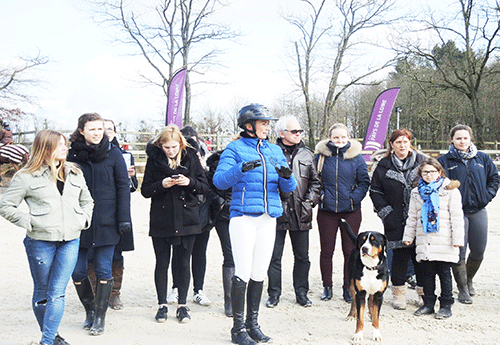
x,y
391,185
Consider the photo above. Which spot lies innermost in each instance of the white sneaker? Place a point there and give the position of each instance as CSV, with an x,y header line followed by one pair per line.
x,y
173,298
201,298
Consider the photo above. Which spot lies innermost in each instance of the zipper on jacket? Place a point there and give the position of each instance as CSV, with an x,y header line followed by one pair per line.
x,y
243,196
264,167
337,182
62,214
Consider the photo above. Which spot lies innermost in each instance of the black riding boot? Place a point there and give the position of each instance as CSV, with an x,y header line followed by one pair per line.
x,y
227,281
471,267
460,275
86,295
103,293
254,294
239,333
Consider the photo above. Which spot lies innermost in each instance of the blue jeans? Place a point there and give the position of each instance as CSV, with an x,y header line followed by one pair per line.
x,y
103,261
51,264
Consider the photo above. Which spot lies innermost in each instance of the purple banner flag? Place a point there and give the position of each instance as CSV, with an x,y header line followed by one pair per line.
x,y
379,121
175,92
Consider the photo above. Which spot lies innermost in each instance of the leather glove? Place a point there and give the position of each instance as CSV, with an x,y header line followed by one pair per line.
x,y
284,171
124,227
247,166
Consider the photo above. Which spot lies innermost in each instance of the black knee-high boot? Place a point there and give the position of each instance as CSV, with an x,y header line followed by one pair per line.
x,y
102,295
471,267
254,294
227,281
86,295
239,333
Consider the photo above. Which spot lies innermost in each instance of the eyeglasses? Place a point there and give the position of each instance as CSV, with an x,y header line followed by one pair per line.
x,y
429,172
295,131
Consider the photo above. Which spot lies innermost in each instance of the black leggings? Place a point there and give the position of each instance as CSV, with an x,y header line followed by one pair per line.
x,y
162,248
198,264
222,227
476,234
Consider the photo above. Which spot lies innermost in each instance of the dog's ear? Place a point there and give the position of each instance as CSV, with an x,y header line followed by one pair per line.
x,y
359,239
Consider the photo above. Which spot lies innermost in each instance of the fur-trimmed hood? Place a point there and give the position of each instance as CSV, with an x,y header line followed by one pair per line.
x,y
353,151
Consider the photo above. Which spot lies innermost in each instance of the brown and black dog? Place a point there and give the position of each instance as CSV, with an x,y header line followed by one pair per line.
x,y
368,275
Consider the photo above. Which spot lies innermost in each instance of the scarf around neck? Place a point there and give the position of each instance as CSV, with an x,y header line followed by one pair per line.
x,y
464,156
94,153
429,192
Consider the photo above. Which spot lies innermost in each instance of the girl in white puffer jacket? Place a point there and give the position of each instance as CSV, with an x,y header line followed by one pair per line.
x,y
436,223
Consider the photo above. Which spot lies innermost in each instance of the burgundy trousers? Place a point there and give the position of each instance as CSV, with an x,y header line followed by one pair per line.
x,y
329,225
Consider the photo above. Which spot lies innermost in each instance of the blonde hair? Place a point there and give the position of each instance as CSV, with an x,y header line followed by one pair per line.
x,y
43,153
338,125
172,133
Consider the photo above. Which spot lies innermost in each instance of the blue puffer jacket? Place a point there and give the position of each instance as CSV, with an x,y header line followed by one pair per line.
x,y
255,192
344,176
478,179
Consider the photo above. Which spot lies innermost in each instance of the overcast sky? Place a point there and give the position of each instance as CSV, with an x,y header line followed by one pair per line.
x,y
88,74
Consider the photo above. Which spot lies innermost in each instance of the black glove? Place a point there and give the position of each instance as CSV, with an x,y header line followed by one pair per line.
x,y
124,227
247,166
284,171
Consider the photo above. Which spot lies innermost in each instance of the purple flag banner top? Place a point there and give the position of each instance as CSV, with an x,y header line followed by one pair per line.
x,y
175,92
379,121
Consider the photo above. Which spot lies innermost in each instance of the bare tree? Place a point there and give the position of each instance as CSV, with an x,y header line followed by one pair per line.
x,y
355,17
175,29
15,80
310,35
467,41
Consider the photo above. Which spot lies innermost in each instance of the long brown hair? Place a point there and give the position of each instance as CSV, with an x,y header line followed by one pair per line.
x,y
43,153
172,133
402,132
82,120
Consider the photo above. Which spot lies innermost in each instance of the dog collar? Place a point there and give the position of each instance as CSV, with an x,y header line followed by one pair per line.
x,y
373,268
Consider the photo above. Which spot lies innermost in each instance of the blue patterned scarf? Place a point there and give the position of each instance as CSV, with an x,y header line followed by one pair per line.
x,y
430,208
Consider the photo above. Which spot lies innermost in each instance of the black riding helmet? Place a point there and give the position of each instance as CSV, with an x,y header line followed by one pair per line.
x,y
251,113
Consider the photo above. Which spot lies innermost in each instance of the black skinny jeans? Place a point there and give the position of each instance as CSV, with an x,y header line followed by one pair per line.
x,y
301,266
429,271
162,248
399,269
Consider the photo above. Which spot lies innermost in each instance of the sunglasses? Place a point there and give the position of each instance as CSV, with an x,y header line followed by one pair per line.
x,y
295,131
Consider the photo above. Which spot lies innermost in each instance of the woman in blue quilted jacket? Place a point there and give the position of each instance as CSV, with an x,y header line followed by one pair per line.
x,y
345,181
256,171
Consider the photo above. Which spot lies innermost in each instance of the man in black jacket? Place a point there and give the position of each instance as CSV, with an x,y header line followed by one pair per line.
x,y
297,213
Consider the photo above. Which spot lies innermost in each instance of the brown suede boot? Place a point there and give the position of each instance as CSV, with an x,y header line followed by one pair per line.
x,y
115,302
399,295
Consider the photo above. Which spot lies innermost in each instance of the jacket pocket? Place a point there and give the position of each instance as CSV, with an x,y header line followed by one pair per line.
x,y
39,217
306,212
304,169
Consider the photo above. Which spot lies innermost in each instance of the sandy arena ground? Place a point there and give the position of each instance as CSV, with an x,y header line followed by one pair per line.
x,y
288,323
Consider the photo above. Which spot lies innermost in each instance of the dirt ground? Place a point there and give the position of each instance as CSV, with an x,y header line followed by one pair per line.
x,y
288,323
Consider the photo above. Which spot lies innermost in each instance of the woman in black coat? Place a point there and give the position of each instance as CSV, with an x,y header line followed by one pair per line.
x,y
175,181
391,185
106,175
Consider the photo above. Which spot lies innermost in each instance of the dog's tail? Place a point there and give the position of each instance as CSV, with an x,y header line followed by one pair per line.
x,y
346,227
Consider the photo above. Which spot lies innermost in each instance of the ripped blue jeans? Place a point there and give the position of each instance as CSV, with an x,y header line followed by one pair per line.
x,y
51,264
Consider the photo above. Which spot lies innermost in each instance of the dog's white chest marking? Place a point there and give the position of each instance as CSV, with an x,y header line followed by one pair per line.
x,y
369,281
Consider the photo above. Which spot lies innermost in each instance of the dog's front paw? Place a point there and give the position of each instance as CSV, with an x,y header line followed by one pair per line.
x,y
357,337
376,335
